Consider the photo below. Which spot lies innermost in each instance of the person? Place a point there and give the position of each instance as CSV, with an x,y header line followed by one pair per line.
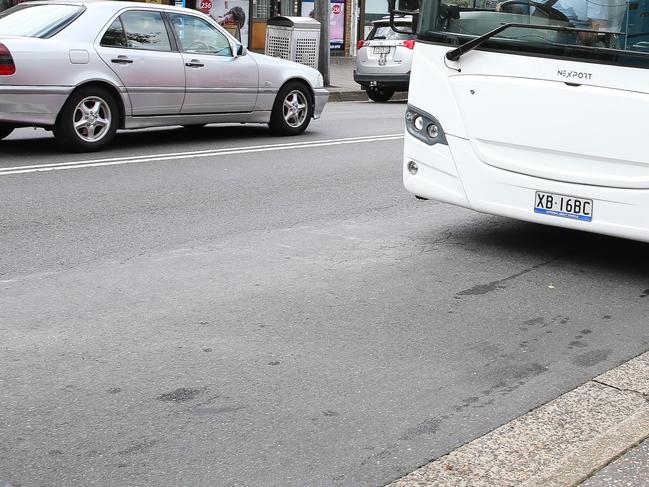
x,y
235,15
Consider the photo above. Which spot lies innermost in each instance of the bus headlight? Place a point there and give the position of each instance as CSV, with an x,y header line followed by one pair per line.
x,y
424,126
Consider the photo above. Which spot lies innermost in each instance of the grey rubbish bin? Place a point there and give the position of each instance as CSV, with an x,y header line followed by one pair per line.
x,y
293,38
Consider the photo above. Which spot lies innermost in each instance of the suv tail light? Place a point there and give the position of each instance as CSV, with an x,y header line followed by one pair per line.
x,y
361,43
410,43
7,66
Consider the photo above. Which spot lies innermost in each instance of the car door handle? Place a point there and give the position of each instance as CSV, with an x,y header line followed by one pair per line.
x,y
194,63
121,60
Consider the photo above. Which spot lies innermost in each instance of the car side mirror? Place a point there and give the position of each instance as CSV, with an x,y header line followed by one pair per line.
x,y
241,50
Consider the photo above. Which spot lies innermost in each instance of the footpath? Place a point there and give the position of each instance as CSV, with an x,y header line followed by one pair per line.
x,y
592,436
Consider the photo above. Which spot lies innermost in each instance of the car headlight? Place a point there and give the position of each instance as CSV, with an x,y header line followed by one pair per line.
x,y
319,81
424,126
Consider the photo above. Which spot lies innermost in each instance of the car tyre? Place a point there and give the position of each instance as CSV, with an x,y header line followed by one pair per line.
x,y
5,130
292,110
88,121
379,93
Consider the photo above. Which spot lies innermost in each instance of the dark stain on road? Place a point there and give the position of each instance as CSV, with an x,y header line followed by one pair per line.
x,y
645,293
329,413
426,427
592,358
510,377
274,362
482,289
500,284
114,390
138,447
182,394
577,344
527,324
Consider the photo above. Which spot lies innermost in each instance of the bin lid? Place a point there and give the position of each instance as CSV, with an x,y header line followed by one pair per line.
x,y
297,22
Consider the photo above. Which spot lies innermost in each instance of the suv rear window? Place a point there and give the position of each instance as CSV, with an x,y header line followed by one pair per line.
x,y
385,32
38,20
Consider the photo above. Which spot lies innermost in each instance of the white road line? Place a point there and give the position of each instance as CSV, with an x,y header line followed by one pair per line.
x,y
59,166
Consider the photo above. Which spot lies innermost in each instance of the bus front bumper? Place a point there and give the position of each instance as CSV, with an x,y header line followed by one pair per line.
x,y
453,173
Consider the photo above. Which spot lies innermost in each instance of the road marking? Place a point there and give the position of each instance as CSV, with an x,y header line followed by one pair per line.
x,y
60,166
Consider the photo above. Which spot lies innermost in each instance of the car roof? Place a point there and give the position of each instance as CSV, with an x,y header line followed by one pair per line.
x,y
118,5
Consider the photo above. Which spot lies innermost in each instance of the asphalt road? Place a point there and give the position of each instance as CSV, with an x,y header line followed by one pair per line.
x,y
265,316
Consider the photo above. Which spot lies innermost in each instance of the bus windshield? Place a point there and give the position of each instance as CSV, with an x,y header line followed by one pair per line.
x,y
604,31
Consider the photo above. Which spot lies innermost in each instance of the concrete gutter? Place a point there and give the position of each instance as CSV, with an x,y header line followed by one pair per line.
x,y
559,444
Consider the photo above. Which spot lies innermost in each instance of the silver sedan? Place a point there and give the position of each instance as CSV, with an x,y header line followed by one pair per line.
x,y
86,69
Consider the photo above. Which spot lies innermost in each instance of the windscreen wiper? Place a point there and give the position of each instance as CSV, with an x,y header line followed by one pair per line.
x,y
455,54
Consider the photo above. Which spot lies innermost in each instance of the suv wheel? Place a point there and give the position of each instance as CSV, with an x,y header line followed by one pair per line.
x,y
292,110
379,93
88,120
5,130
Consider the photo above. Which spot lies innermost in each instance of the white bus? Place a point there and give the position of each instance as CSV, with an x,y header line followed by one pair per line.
x,y
535,111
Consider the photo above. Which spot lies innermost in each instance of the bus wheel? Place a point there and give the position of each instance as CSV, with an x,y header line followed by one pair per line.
x,y
379,93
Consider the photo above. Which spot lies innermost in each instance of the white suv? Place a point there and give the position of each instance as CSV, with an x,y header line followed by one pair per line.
x,y
383,59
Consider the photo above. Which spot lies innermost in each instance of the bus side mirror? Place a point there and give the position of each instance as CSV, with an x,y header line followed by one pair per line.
x,y
406,7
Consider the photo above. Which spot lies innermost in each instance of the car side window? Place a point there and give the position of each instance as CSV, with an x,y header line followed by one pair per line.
x,y
196,36
145,30
114,36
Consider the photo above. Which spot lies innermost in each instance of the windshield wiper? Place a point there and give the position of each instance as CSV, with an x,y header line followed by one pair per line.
x,y
455,54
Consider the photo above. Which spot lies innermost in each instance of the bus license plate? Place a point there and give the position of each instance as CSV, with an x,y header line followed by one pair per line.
x,y
563,206
381,49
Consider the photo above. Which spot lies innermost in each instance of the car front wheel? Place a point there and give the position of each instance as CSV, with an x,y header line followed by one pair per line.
x,y
379,93
5,130
88,120
292,110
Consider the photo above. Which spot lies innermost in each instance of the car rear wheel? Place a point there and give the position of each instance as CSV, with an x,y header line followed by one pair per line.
x,y
378,93
292,110
88,120
5,130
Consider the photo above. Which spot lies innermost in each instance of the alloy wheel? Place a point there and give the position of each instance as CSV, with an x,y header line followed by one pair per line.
x,y
295,108
92,119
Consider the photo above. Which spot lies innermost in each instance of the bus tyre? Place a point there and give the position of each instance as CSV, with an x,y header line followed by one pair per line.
x,y
5,130
378,93
292,110
88,120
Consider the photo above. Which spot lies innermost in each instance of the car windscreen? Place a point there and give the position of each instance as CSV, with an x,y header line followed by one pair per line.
x,y
386,32
37,20
602,31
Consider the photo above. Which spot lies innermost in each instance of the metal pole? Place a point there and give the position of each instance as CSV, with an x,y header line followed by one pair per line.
x,y
322,9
